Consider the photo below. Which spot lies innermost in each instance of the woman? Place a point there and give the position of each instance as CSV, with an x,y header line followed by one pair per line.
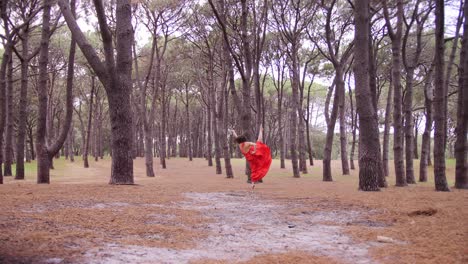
x,y
257,154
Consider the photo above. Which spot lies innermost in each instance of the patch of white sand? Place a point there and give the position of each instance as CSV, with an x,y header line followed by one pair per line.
x,y
241,226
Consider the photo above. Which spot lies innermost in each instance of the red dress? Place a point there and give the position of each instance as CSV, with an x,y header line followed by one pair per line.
x,y
259,161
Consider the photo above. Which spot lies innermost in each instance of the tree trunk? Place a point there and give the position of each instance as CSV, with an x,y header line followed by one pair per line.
x,y
416,132
31,143
397,89
280,88
353,124
3,69
95,129
369,153
215,119
88,130
386,136
22,111
301,126
189,128
439,102
408,127
209,136
343,134
115,75
224,110
426,138
309,143
293,111
46,153
461,148
162,143
222,127
327,176
9,121
70,144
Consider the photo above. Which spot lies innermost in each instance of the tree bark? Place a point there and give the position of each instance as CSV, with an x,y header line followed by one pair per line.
x,y
3,69
397,89
9,121
327,176
309,143
353,124
408,127
439,102
416,132
22,111
216,115
301,125
461,148
343,134
293,111
369,153
386,136
88,129
426,138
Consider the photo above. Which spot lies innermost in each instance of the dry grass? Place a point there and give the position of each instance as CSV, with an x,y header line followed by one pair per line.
x,y
79,211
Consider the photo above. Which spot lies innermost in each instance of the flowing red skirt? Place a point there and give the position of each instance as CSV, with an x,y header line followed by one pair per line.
x,y
259,161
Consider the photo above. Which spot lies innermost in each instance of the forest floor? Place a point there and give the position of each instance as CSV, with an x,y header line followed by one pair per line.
x,y
188,214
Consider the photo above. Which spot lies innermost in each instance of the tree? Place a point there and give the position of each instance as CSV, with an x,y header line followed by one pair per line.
x,y
338,56
28,10
292,19
426,139
7,44
410,62
46,152
395,36
278,61
369,153
439,102
88,127
243,59
115,74
461,149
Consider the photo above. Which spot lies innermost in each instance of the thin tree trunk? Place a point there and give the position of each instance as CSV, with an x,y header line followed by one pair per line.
x,y
309,143
189,128
95,129
88,130
22,111
386,136
327,101
397,97
426,138
408,127
162,150
209,136
353,124
3,69
224,111
439,102
215,120
45,153
416,132
301,127
461,148
327,176
9,122
31,143
293,111
343,134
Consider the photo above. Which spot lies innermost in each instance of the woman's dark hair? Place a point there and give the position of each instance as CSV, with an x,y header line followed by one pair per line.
x,y
240,139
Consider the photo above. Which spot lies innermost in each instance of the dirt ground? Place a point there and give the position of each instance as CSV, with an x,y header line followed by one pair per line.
x,y
188,214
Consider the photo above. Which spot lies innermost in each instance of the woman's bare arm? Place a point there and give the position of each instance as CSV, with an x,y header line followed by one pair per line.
x,y
260,134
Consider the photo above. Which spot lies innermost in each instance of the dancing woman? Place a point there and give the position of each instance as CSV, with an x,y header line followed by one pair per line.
x,y
257,154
